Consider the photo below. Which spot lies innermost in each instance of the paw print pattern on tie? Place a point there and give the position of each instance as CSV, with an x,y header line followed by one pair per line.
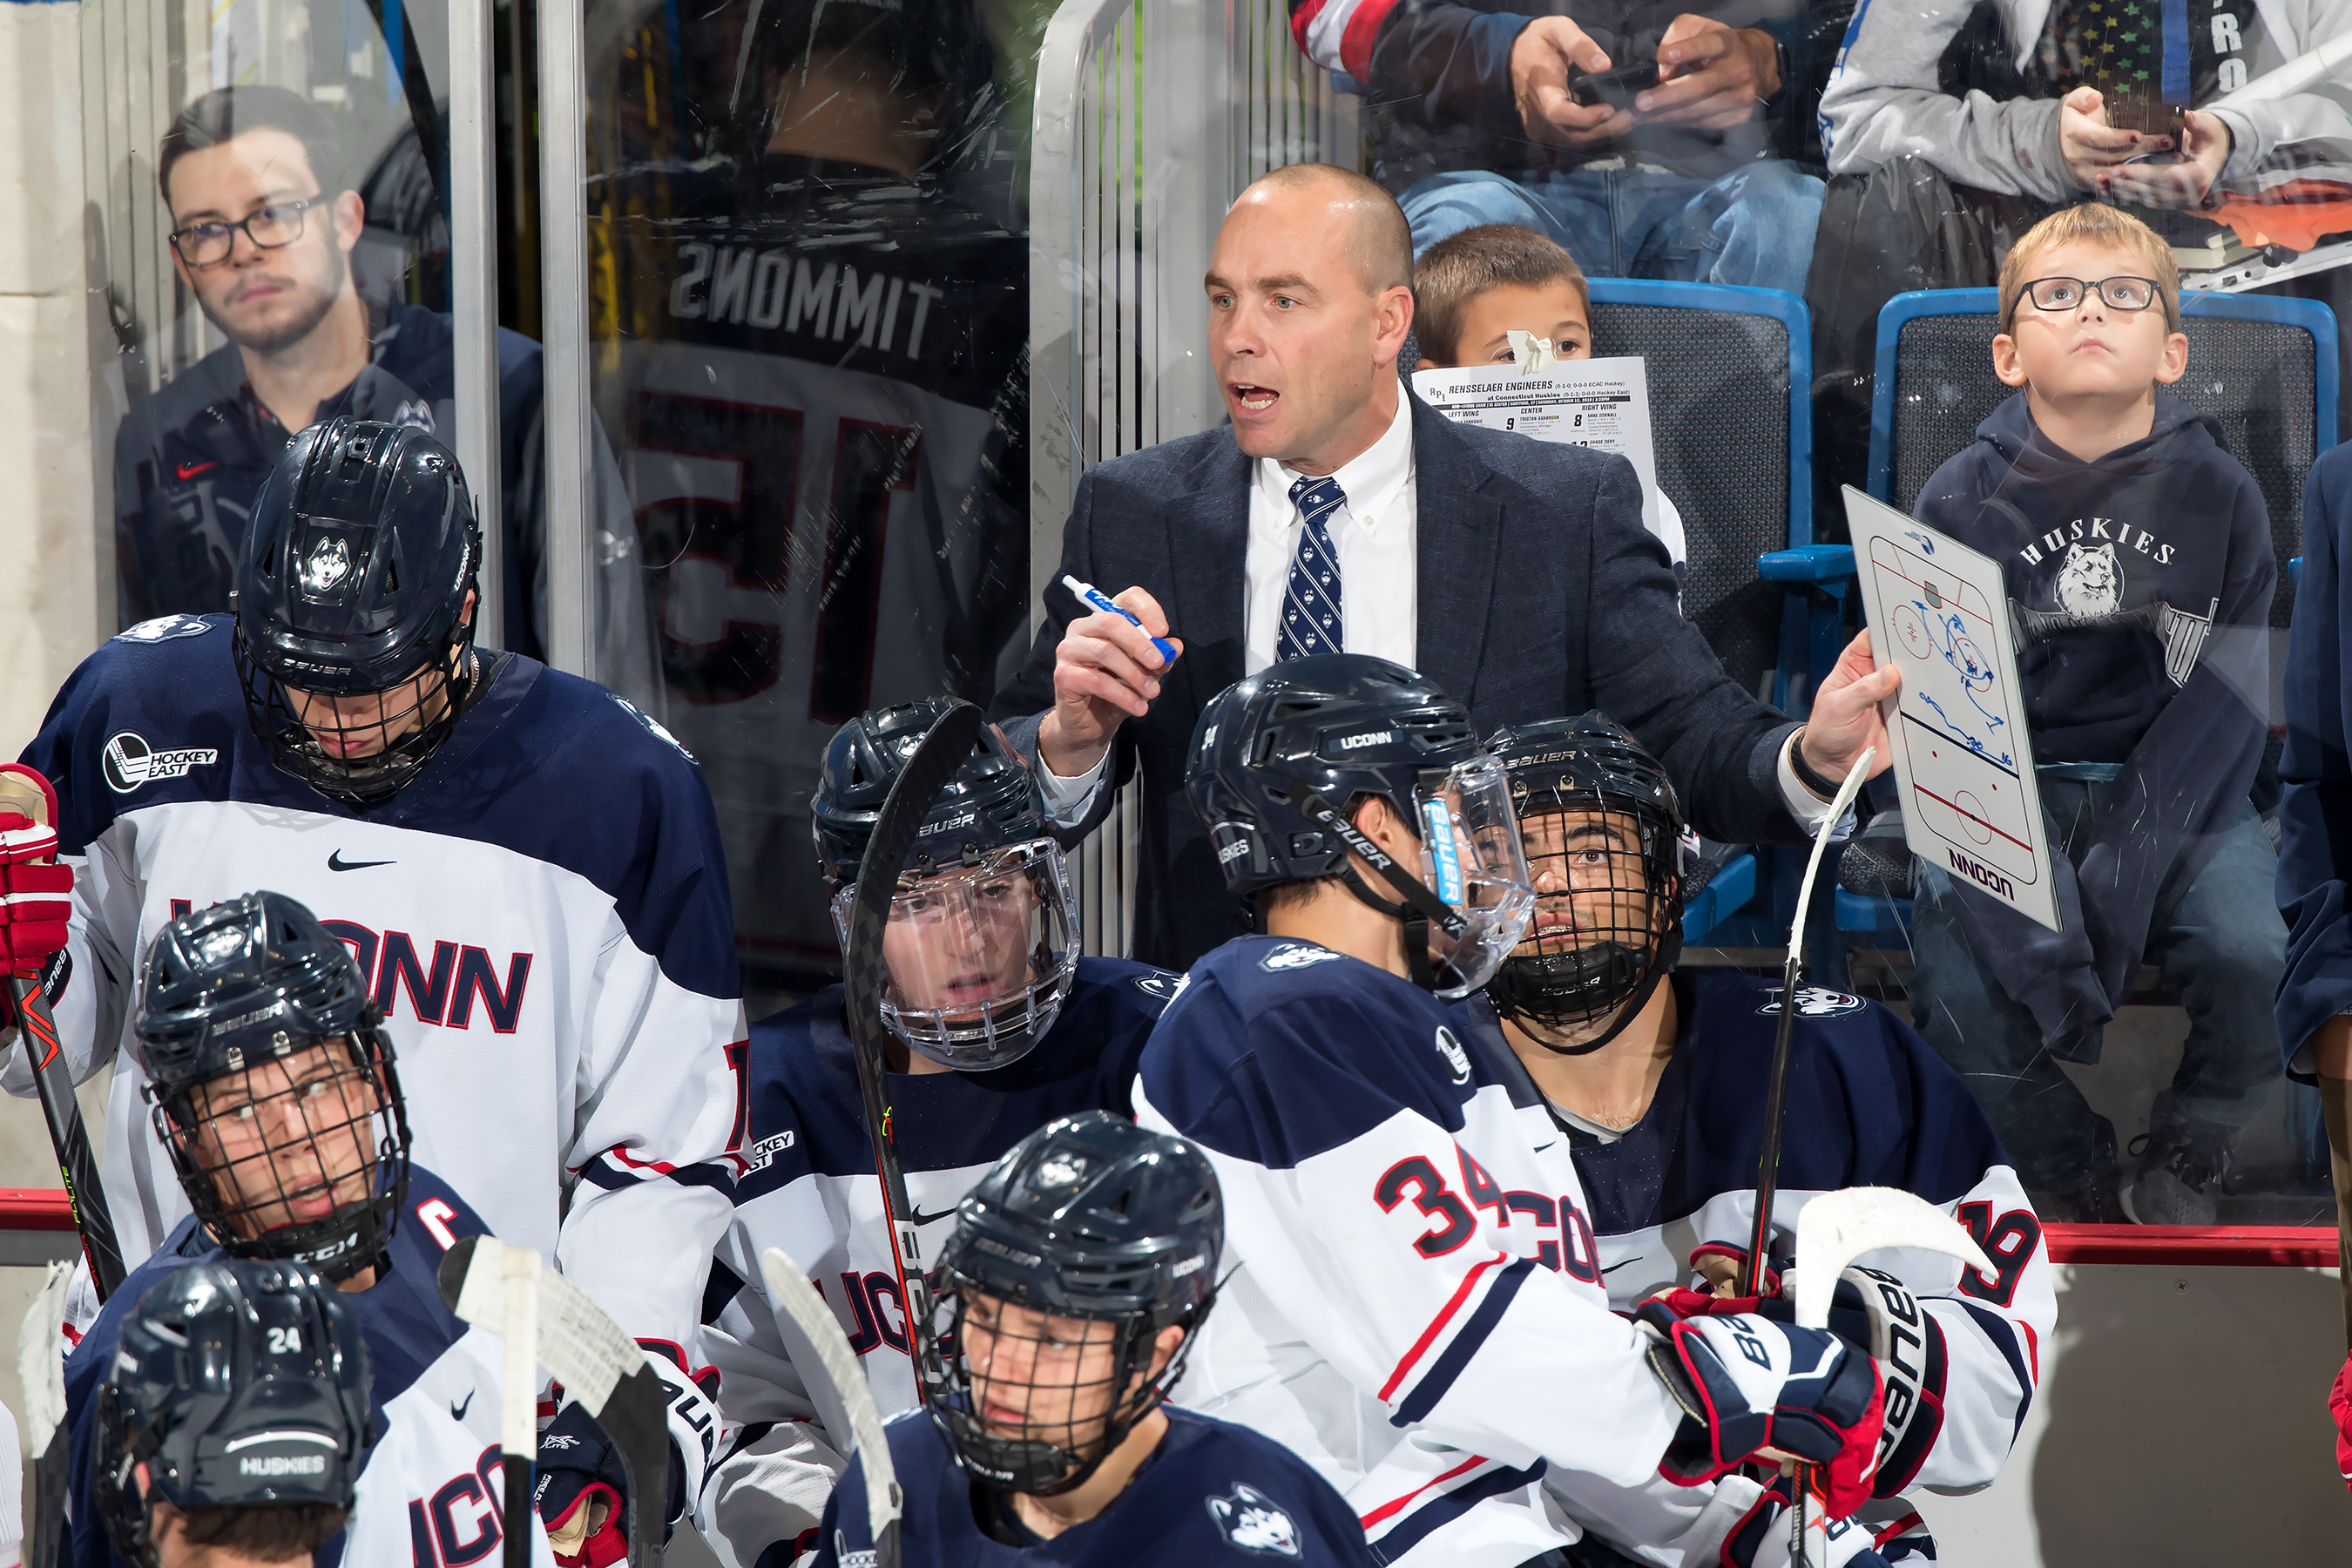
x,y
1311,621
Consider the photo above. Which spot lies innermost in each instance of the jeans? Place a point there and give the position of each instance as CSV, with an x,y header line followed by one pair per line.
x,y
2221,947
1753,227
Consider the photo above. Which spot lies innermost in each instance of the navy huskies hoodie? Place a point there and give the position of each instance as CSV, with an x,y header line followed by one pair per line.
x,y
2140,589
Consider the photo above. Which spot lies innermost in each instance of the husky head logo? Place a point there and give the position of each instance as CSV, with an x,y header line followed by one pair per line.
x,y
1160,984
1812,1001
1298,955
2089,581
163,628
417,412
1455,1056
329,563
1251,1523
1062,1171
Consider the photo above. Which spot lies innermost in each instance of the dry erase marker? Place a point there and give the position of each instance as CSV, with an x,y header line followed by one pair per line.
x,y
1101,601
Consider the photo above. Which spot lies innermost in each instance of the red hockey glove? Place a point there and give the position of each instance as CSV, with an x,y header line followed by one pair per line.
x,y
2339,1405
1754,1389
35,895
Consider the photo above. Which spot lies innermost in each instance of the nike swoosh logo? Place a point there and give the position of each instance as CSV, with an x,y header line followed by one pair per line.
x,y
920,1217
190,471
1614,1267
335,862
457,1411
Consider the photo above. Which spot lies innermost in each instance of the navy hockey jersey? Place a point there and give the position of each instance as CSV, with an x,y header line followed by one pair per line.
x,y
429,1492
1410,1252
823,399
809,1187
543,915
1869,1104
1211,1492
189,459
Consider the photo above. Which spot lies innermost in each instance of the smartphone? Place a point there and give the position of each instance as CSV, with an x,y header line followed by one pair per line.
x,y
1614,88
2148,118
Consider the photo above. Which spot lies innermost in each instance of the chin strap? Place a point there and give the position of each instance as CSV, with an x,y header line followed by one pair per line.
x,y
1416,909
1663,960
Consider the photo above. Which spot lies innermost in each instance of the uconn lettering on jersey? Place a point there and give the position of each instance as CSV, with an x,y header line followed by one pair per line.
x,y
444,990
774,289
459,1524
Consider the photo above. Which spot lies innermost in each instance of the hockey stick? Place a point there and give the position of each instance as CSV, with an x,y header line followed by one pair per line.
x,y
25,791
798,1301
1768,1162
598,1365
1838,1227
864,971
41,1373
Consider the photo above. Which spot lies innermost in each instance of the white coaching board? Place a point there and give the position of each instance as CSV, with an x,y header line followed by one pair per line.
x,y
1940,612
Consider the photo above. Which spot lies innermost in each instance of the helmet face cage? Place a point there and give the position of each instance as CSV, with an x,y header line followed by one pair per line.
x,y
981,954
360,748
1081,1385
300,1156
1608,899
121,1501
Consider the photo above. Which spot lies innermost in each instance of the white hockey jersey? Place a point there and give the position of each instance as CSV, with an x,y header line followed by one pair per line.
x,y
1415,1301
1868,1104
429,1492
543,915
809,1187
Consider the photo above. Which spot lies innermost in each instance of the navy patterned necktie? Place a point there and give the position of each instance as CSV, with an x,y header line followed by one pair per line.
x,y
1310,597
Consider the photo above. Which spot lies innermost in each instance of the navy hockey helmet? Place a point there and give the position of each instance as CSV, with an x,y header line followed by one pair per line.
x,y
353,643
1090,1217
982,942
273,1085
1603,834
241,1385
1282,761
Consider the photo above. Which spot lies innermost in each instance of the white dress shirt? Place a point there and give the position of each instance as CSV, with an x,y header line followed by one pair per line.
x,y
1374,532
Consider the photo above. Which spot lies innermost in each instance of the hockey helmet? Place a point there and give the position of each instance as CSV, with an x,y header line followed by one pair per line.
x,y
1603,836
982,941
1281,762
239,1385
284,1155
353,643
1090,1217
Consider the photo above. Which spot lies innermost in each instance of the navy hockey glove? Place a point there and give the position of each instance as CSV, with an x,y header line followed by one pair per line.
x,y
1875,1314
584,1493
1882,1534
1751,1388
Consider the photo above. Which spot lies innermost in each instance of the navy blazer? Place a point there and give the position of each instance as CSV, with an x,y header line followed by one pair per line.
x,y
1517,543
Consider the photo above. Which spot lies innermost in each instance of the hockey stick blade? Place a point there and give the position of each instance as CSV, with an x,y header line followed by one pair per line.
x,y
24,792
797,1300
599,1366
41,1373
864,971
1835,1228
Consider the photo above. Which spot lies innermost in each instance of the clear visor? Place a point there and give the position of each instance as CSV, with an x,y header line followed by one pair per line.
x,y
1471,858
980,957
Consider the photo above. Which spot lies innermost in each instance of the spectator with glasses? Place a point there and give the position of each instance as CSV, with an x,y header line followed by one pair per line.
x,y
2139,569
263,223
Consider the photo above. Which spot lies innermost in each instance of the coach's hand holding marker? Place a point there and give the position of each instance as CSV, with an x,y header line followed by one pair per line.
x,y
1107,670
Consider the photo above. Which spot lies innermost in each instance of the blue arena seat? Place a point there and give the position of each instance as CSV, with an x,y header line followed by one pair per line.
x,y
1730,378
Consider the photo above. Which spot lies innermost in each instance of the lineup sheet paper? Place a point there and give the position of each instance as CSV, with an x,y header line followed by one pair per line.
x,y
1603,404
1940,612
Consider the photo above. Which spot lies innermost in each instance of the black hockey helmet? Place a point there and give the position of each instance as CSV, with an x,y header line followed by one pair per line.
x,y
986,876
255,981
1608,872
239,1384
1281,762
352,584
1088,1217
